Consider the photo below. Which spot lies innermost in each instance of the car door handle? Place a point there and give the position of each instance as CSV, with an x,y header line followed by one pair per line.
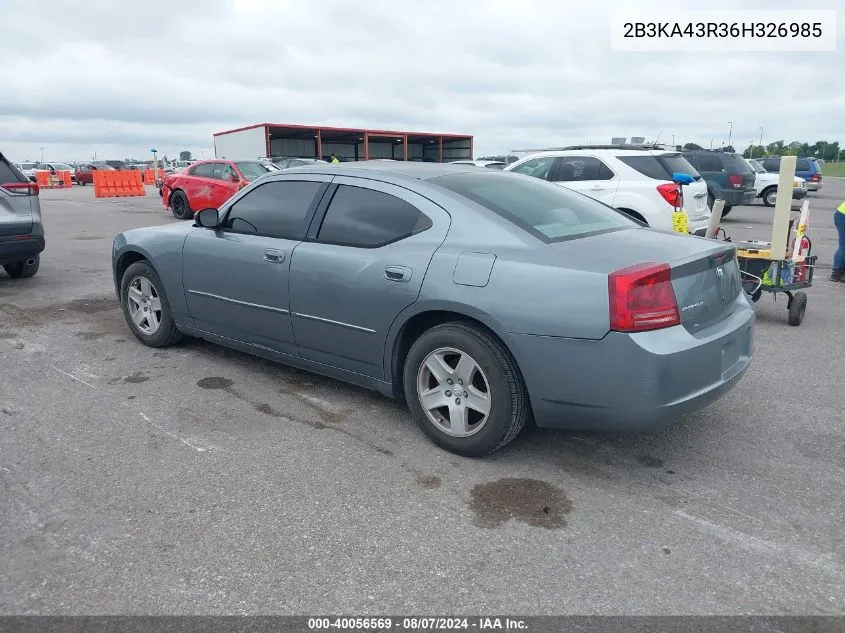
x,y
273,256
397,273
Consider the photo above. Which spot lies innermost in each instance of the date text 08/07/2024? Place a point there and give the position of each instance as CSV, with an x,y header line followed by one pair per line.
x,y
416,624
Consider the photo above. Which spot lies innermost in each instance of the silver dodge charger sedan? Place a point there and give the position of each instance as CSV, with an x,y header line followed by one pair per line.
x,y
483,299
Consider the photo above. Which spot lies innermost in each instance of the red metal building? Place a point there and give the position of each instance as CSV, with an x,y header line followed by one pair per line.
x,y
303,141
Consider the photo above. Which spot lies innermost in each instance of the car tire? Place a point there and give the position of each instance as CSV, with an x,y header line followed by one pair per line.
x,y
179,206
726,210
489,378
711,200
142,277
24,268
770,196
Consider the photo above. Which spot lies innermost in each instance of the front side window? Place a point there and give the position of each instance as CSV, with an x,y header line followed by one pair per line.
x,y
546,211
537,167
275,209
368,219
252,170
223,171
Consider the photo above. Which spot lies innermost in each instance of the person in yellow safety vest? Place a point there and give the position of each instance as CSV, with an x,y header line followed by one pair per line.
x,y
838,273
334,160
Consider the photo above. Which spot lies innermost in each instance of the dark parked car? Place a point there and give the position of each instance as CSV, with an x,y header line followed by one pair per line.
x,y
21,231
806,168
727,175
483,298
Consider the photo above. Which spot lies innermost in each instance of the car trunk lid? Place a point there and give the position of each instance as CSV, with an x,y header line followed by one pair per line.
x,y
704,272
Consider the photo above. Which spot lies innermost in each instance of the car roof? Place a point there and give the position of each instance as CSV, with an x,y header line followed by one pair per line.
x,y
410,169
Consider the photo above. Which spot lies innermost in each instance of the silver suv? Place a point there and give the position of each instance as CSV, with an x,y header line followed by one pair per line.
x,y
21,231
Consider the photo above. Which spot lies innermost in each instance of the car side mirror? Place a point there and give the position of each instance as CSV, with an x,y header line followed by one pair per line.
x,y
208,218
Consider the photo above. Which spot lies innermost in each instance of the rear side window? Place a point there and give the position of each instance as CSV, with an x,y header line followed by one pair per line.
x,y
9,173
579,168
548,212
206,170
660,167
802,165
275,209
368,219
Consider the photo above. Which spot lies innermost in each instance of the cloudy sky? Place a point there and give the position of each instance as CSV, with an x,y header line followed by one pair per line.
x,y
119,77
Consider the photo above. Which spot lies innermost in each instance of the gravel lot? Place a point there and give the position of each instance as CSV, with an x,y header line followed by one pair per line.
x,y
199,480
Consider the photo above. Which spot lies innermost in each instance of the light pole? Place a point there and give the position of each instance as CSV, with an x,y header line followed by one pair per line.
x,y
730,132
761,137
42,155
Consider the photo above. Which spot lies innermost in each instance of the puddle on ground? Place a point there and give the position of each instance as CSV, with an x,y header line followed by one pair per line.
x,y
136,378
214,382
530,501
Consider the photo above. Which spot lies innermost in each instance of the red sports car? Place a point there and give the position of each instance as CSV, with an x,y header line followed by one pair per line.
x,y
207,183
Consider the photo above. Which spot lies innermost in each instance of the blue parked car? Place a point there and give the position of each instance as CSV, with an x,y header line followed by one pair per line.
x,y
807,168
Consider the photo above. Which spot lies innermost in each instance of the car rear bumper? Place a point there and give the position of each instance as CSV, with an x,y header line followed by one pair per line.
x,y
14,248
634,382
813,186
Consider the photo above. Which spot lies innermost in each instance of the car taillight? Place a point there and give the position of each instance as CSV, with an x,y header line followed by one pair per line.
x,y
815,177
26,188
642,298
671,193
735,180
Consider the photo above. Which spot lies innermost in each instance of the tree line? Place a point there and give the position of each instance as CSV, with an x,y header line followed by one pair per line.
x,y
820,149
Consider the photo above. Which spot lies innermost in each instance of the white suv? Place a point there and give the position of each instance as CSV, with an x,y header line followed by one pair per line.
x,y
632,179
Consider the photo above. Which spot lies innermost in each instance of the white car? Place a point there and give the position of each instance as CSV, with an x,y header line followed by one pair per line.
x,y
766,184
60,167
490,164
632,179
28,169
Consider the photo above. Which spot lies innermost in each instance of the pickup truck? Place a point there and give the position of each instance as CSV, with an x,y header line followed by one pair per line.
x,y
766,185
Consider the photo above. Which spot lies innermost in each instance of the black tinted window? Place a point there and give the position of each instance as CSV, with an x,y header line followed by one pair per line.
x,y
771,164
802,165
547,211
569,168
368,219
277,209
9,173
709,162
648,166
206,170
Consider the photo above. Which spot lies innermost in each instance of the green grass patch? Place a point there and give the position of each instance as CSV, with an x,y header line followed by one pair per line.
x,y
833,169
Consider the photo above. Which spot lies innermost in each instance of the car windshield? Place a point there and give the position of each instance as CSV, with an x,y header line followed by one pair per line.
x,y
28,165
756,166
62,166
547,211
252,170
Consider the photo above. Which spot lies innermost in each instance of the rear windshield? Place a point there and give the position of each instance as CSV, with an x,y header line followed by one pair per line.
x,y
28,165
735,163
547,211
252,170
660,167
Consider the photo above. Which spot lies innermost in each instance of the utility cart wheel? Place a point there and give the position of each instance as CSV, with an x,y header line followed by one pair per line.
x,y
797,306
